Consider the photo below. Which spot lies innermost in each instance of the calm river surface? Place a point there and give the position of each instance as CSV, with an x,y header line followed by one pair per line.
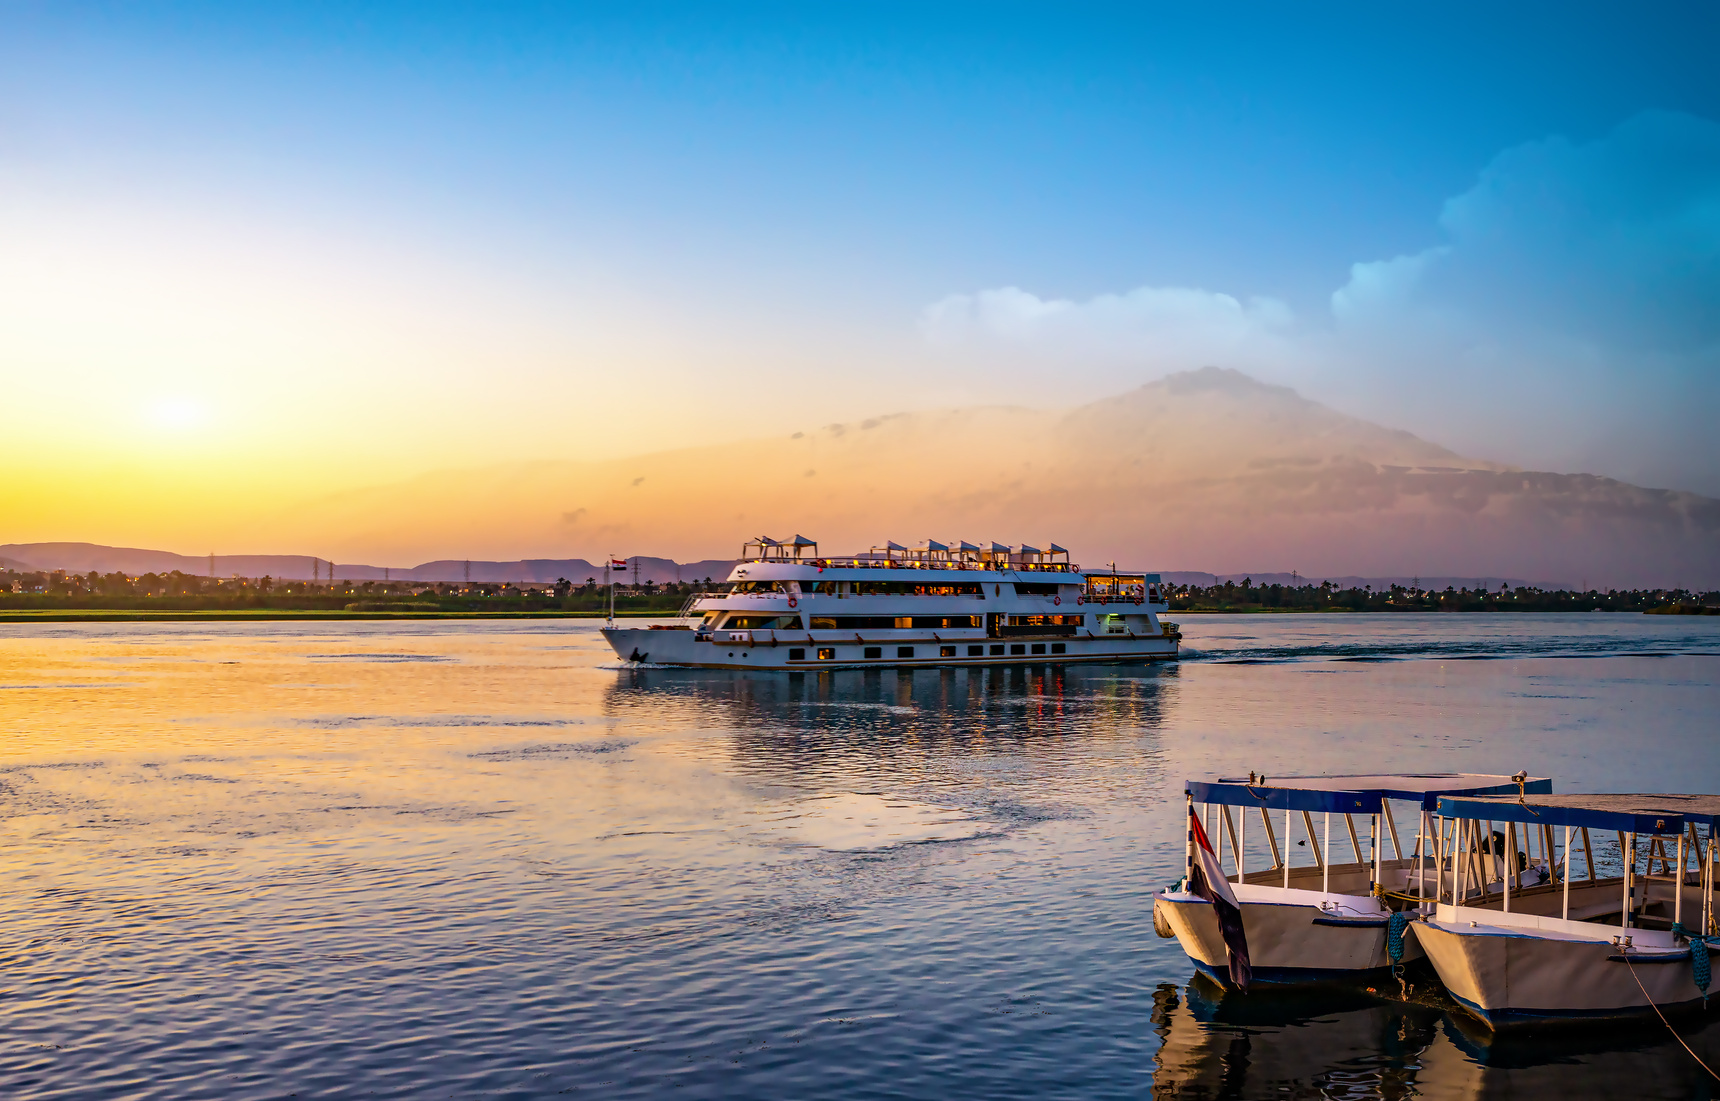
x,y
454,859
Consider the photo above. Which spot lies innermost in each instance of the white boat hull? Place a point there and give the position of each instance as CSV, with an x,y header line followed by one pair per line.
x,y
1291,937
1509,968
801,650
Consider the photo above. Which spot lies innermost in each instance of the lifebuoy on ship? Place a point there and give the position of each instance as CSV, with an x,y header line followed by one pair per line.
x,y
1080,600
793,603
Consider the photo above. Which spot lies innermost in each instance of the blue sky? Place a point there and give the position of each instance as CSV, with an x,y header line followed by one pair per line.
x,y
1496,227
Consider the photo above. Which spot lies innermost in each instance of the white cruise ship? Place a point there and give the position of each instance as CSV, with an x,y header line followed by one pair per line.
x,y
785,607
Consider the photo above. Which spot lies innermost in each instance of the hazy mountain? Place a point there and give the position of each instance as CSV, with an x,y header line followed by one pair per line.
x,y
84,557
1203,470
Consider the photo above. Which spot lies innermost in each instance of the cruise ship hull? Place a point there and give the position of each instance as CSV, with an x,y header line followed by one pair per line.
x,y
800,650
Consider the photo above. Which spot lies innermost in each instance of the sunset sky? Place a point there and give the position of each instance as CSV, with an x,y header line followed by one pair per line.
x,y
258,253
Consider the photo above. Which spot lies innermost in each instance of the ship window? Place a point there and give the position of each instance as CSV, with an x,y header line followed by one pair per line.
x,y
946,651
827,653
760,587
1018,648
891,623
1039,647
874,651
1059,648
997,651
919,588
797,655
935,622
1035,588
976,651
904,651
754,622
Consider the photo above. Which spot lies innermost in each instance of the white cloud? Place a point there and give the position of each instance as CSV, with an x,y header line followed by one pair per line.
x,y
1117,338
1382,286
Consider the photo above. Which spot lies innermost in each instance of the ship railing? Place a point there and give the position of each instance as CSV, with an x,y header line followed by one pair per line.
x,y
865,563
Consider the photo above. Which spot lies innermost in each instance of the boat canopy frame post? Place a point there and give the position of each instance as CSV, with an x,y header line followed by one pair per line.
x,y
1565,906
1678,886
1374,842
1271,838
1710,865
1491,860
1286,848
1235,847
1627,854
1241,844
1314,842
1510,863
1391,828
1355,843
1188,844
1438,859
1326,866
1461,857
1421,826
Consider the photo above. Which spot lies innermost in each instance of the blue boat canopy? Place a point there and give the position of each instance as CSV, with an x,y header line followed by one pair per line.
x,y
1425,788
1650,814
1241,793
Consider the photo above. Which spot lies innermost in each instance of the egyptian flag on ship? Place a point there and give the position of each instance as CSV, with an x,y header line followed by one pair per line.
x,y
1206,879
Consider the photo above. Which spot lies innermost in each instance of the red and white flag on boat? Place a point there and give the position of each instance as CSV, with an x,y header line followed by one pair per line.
x,y
1206,879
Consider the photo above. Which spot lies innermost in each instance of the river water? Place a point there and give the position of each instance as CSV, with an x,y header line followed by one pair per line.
x,y
456,859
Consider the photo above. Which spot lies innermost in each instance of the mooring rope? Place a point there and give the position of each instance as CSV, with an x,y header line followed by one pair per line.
x,y
1395,927
1665,1022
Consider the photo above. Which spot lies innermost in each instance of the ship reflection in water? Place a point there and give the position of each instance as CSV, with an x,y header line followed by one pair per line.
x,y
1344,1042
802,726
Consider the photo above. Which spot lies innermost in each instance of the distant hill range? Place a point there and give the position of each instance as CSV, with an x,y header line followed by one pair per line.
x,y
1206,468
84,557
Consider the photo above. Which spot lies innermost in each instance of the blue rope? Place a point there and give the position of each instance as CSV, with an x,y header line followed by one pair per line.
x,y
1700,968
1394,936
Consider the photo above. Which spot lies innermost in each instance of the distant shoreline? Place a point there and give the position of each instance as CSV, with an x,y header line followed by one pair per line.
x,y
126,615
97,615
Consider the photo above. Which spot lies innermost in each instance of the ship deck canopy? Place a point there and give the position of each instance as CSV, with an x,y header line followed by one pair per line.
x,y
1636,813
1357,794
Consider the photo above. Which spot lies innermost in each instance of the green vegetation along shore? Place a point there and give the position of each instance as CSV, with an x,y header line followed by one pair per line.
x,y
1327,597
116,597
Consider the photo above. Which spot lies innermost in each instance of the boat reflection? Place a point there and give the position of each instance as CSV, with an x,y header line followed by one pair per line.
x,y
795,721
1298,1042
1344,1042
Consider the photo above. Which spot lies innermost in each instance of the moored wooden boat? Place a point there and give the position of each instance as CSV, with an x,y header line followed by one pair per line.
x,y
1321,921
1570,948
